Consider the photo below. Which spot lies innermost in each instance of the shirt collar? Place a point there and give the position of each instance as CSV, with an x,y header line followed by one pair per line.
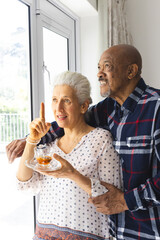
x,y
135,96
131,102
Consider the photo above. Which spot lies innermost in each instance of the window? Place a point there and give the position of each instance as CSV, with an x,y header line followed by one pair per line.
x,y
16,210
38,41
55,52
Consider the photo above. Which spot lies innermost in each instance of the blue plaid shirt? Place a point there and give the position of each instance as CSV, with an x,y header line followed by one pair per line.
x,y
135,127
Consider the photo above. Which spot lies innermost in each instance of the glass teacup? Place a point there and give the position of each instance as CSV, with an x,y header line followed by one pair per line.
x,y
43,155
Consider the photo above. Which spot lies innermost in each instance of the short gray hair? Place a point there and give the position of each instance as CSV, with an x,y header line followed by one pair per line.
x,y
78,82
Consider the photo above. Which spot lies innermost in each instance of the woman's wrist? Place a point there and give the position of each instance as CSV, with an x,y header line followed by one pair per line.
x,y
32,141
82,181
74,174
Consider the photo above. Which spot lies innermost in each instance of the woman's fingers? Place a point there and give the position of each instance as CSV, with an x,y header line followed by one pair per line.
x,y
37,125
42,111
42,116
59,158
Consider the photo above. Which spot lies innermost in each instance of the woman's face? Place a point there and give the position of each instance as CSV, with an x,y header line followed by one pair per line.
x,y
65,106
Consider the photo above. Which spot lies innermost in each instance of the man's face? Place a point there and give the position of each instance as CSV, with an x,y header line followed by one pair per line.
x,y
112,73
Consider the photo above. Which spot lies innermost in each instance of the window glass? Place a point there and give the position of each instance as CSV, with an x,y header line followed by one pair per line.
x,y
55,53
16,209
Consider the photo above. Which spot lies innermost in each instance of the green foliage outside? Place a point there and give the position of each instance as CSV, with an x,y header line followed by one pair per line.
x,y
14,90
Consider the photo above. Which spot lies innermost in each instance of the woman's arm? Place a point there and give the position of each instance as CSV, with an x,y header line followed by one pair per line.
x,y
68,171
81,180
24,173
38,128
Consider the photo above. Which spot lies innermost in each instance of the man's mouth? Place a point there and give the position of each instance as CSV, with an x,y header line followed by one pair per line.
x,y
103,82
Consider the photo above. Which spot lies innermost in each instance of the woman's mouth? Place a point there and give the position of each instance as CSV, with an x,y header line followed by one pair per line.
x,y
61,117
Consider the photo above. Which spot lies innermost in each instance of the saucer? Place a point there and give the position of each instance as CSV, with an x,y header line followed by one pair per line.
x,y
52,166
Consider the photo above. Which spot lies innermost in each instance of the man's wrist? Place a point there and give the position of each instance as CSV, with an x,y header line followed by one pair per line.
x,y
124,203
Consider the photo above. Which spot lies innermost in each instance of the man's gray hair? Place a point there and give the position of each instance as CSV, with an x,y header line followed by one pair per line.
x,y
78,82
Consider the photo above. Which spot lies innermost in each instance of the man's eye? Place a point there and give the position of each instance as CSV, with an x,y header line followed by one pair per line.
x,y
108,66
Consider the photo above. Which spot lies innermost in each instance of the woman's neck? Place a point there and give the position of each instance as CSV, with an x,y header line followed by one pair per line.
x,y
79,129
73,136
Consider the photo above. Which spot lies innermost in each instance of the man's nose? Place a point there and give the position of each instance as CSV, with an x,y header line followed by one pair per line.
x,y
100,74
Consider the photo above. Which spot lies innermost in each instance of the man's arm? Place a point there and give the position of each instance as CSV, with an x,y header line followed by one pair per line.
x,y
144,196
112,202
16,147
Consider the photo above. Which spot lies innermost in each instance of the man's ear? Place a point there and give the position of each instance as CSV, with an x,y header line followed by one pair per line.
x,y
132,70
84,107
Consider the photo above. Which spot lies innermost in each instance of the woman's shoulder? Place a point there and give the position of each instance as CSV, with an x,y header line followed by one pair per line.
x,y
101,134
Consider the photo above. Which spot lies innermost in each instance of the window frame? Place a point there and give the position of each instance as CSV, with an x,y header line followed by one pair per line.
x,y
38,17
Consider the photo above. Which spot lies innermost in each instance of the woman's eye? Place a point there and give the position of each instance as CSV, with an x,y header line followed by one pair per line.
x,y
67,101
54,100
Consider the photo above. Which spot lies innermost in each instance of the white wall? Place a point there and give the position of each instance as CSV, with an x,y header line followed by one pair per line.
x,y
144,24
89,53
144,21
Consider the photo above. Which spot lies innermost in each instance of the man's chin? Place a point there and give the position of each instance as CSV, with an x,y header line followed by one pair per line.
x,y
105,94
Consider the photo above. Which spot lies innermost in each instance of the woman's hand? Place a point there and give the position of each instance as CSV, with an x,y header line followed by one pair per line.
x,y
38,127
66,170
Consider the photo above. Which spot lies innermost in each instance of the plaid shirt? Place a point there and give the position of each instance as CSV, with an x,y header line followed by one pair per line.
x,y
135,127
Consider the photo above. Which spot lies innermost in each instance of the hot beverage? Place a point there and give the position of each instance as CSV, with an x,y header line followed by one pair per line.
x,y
45,160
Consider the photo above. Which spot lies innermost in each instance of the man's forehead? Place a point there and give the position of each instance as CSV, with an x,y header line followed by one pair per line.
x,y
105,59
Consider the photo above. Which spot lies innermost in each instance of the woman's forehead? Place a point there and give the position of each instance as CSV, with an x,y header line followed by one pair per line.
x,y
64,90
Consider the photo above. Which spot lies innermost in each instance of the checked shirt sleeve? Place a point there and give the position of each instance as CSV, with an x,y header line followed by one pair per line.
x,y
148,194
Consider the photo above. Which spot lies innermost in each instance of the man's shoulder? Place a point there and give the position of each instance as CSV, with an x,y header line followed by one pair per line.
x,y
103,104
152,92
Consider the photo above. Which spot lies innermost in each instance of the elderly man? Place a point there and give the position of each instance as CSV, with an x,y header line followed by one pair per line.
x,y
131,111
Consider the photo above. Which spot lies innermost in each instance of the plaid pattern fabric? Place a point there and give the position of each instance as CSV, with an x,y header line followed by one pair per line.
x,y
135,127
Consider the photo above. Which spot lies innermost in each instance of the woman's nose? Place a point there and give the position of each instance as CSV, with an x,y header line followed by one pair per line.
x,y
59,106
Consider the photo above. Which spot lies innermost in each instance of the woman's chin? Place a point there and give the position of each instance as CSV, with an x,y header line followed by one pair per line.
x,y
61,124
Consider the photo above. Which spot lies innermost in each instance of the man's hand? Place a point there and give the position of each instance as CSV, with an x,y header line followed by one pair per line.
x,y
15,149
112,202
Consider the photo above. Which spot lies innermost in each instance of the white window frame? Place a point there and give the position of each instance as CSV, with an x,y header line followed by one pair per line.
x,y
41,15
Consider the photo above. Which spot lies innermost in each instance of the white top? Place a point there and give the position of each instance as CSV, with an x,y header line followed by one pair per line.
x,y
65,204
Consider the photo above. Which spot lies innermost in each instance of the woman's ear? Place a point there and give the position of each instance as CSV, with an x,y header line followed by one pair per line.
x,y
84,107
132,70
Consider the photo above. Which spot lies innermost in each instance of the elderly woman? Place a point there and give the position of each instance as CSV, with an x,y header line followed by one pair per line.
x,y
87,157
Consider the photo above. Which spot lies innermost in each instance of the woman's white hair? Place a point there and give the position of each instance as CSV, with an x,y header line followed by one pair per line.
x,y
78,82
